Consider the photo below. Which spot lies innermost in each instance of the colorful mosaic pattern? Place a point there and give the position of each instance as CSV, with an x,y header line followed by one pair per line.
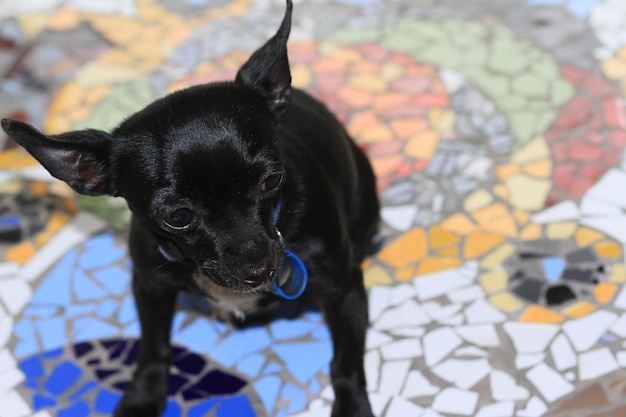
x,y
498,135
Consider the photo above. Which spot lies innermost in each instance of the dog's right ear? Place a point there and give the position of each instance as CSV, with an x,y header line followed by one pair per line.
x,y
79,158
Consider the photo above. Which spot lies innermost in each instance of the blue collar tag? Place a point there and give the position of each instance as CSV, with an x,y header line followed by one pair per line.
x,y
293,278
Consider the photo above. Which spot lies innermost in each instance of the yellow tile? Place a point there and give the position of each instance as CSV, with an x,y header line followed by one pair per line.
x,y
20,253
460,224
422,145
55,124
521,216
478,244
368,82
538,314
392,70
531,232
494,281
68,97
301,76
13,187
580,309
449,252
561,230
500,191
434,264
57,220
618,273
405,273
527,193
614,68
498,256
477,200
439,237
7,157
535,150
506,302
96,73
32,24
585,236
376,134
442,120
611,250
541,169
604,292
406,249
376,276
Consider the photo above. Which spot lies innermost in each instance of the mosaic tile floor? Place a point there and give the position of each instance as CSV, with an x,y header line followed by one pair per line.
x,y
497,131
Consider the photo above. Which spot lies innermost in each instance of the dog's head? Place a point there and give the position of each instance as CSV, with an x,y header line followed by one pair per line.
x,y
200,167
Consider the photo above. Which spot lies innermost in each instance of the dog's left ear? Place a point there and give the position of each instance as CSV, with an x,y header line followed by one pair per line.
x,y
267,70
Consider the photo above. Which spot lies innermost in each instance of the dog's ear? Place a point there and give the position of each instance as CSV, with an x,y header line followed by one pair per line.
x,y
267,70
79,158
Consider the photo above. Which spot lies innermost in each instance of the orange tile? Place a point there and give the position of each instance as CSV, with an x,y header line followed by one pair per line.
x,y
379,133
604,292
611,250
450,251
585,236
355,98
406,249
20,253
96,94
541,169
500,190
390,100
63,19
329,64
580,309
405,273
531,232
38,188
439,237
478,244
460,224
434,264
69,96
361,121
496,218
385,165
370,82
521,216
422,145
538,314
505,171
404,128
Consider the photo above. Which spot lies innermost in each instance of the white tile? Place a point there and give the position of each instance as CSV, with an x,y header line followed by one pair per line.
x,y
328,393
416,332
375,339
464,373
471,293
585,332
379,298
611,226
77,231
451,79
418,386
609,189
439,343
437,312
13,405
619,327
535,407
402,349
455,320
6,329
456,401
392,376
8,269
530,337
591,208
10,378
563,355
527,360
318,411
620,300
621,358
42,413
565,210
481,311
483,335
503,409
7,361
401,407
400,293
378,402
429,412
439,283
505,388
471,351
570,376
15,294
399,217
470,269
549,382
409,314
596,363
371,363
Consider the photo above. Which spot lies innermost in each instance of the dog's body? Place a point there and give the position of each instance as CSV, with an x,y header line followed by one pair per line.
x,y
221,179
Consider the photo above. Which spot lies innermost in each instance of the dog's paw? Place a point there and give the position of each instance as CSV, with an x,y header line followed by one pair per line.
x,y
146,395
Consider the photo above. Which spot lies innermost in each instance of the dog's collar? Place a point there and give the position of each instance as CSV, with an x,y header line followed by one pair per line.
x,y
293,278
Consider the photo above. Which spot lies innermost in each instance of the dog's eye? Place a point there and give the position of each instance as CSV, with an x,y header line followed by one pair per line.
x,y
271,182
179,219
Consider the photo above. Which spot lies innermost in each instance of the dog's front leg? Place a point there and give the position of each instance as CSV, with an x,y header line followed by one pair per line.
x,y
146,395
347,318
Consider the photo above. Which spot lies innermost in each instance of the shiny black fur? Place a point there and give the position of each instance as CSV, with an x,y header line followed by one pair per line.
x,y
203,171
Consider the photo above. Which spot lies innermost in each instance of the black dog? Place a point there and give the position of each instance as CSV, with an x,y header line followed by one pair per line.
x,y
231,184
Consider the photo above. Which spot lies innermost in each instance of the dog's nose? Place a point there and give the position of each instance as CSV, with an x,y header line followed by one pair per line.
x,y
258,275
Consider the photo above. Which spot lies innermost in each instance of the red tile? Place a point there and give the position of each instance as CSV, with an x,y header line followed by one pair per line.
x,y
431,100
617,138
374,52
613,112
412,85
581,151
573,74
598,87
563,175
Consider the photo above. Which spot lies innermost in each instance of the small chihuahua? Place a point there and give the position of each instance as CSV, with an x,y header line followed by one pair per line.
x,y
249,193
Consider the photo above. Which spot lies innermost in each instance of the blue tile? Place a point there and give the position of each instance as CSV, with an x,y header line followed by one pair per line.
x,y
272,368
85,289
62,378
581,8
54,353
322,333
240,344
203,408
314,387
51,332
172,409
26,347
74,310
115,279
55,288
179,320
317,354
106,401
85,388
11,221
267,388
546,2
290,329
295,396
553,268
24,329
127,311
41,402
40,311
80,409
251,365
237,406
100,251
88,328
32,367
107,308
198,336
132,330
